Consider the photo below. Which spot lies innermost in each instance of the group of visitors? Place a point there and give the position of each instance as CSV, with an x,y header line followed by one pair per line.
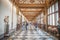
x,y
24,25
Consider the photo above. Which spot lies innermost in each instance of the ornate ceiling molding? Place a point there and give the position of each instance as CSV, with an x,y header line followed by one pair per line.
x,y
31,1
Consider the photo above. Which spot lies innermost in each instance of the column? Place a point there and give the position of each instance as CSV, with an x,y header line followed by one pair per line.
x,y
59,7
46,19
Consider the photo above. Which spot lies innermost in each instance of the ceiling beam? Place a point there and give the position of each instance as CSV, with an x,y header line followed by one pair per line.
x,y
26,10
31,5
31,11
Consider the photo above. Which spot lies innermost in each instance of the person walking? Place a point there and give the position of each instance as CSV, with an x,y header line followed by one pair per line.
x,y
26,25
36,26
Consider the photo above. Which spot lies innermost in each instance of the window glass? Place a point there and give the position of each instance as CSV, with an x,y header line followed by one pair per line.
x,y
52,8
48,10
41,21
48,20
38,19
57,18
56,6
53,19
42,15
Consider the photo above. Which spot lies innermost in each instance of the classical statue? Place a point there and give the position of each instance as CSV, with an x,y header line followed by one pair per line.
x,y
6,28
6,19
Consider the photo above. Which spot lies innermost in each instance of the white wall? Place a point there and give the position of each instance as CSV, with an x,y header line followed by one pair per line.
x,y
23,19
14,18
6,10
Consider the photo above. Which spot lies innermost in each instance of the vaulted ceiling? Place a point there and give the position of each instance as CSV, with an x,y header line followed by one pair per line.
x,y
31,8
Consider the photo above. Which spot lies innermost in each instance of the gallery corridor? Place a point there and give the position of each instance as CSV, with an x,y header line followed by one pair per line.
x,y
32,34
29,19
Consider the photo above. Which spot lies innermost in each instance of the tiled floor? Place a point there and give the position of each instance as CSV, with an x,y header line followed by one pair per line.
x,y
32,35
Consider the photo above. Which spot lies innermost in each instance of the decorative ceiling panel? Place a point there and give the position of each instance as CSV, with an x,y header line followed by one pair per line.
x,y
31,1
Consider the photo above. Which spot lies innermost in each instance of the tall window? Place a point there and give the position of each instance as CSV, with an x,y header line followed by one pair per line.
x,y
53,14
57,18
40,18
